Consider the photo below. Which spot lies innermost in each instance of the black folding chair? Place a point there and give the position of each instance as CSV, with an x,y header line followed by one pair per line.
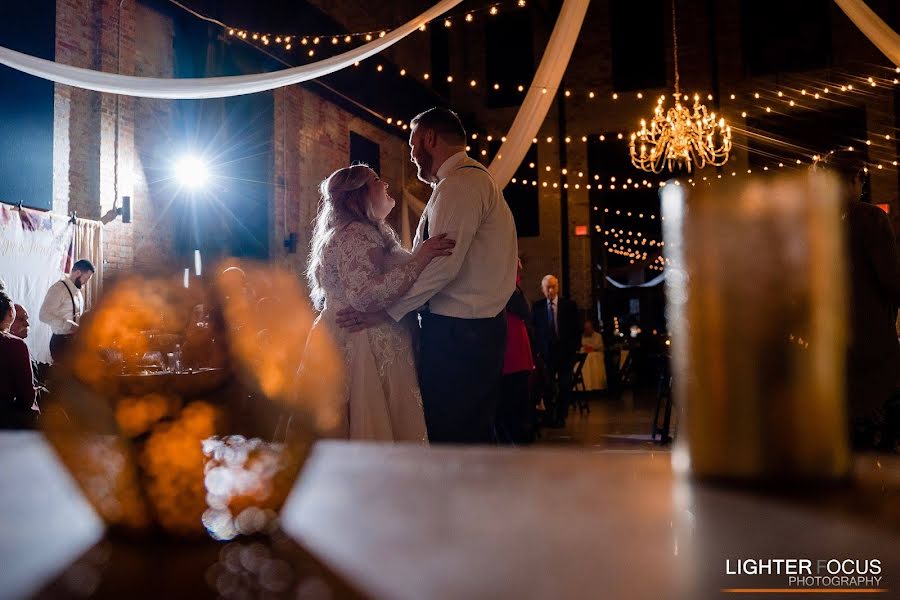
x,y
578,379
662,418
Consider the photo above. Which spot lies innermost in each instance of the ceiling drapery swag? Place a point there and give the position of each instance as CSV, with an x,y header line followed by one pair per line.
x,y
879,33
210,87
543,89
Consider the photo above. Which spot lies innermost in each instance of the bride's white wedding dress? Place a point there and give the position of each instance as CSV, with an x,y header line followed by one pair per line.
x,y
381,391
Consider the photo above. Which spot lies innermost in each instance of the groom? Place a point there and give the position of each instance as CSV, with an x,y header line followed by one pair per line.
x,y
461,297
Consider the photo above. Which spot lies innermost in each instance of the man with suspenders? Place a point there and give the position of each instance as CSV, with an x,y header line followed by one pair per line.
x,y
63,306
460,298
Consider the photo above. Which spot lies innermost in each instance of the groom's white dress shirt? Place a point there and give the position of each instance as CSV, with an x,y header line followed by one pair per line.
x,y
63,303
476,281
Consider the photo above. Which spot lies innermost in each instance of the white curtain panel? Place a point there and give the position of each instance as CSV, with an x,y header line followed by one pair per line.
x,y
543,90
210,87
89,244
879,33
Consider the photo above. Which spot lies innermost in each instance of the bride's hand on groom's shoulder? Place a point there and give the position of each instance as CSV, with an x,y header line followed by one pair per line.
x,y
353,320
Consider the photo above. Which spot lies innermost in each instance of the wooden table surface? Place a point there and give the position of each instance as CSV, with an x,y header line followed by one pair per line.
x,y
403,521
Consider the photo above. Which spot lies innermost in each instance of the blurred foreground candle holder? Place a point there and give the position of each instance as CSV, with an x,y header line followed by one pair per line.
x,y
215,448
756,300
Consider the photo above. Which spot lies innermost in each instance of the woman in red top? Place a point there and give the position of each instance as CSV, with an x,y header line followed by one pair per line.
x,y
16,378
514,413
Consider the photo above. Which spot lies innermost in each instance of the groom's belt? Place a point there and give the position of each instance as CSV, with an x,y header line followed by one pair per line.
x,y
436,317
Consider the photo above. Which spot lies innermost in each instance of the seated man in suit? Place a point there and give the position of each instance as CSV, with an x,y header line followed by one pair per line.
x,y
557,329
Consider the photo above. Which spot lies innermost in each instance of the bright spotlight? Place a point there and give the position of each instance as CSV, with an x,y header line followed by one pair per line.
x,y
191,172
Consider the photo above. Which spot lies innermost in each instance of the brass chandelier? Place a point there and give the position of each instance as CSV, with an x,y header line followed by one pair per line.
x,y
679,138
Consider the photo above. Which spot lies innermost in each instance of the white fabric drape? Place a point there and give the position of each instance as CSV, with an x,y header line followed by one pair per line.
x,y
89,244
653,282
210,87
526,124
879,33
543,89
416,205
34,247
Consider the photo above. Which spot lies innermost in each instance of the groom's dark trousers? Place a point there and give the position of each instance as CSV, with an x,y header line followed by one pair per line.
x,y
460,367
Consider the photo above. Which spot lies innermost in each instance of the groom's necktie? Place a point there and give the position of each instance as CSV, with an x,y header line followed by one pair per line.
x,y
551,319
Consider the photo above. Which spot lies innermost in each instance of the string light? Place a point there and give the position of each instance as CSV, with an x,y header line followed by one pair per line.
x,y
285,42
521,88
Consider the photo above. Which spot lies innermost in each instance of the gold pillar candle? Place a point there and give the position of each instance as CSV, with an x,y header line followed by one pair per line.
x,y
215,448
756,307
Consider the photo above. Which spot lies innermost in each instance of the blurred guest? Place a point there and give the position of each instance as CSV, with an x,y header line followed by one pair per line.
x,y
203,347
873,356
594,370
22,325
20,328
18,409
515,410
558,338
64,305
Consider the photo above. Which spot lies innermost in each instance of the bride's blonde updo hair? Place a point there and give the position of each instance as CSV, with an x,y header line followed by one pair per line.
x,y
344,200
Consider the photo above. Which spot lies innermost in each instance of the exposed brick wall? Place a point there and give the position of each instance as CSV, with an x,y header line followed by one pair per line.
x,y
117,50
76,121
153,237
96,141
312,139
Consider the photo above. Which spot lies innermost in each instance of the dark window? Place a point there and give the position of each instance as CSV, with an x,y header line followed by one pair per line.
x,y
639,61
783,36
26,106
509,55
522,196
364,150
440,60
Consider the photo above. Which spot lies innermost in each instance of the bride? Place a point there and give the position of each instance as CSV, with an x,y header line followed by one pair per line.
x,y
357,261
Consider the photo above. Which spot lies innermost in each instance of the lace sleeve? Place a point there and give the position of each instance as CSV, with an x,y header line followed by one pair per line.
x,y
367,288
